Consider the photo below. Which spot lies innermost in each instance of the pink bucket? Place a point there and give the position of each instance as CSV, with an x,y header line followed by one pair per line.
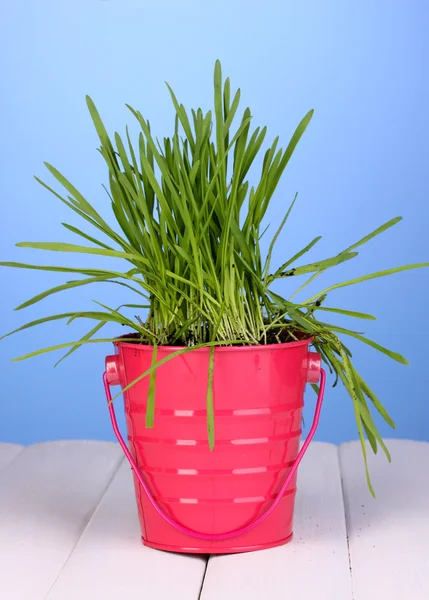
x,y
240,496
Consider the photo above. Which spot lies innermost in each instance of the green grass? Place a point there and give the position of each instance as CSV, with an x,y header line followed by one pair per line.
x,y
189,230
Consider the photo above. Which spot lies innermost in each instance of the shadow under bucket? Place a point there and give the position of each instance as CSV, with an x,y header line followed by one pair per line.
x,y
240,496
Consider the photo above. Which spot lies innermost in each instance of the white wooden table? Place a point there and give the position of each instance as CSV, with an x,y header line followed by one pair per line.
x,y
69,531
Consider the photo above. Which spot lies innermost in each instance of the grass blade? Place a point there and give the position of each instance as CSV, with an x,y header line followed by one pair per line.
x,y
66,345
393,355
275,237
316,266
61,247
374,233
210,408
150,407
59,288
367,278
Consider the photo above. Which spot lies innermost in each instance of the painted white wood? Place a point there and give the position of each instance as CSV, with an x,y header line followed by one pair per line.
x,y
8,452
53,546
389,536
110,562
47,496
314,564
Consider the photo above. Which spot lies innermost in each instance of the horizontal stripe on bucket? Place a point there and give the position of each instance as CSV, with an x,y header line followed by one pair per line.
x,y
137,407
244,500
210,472
234,442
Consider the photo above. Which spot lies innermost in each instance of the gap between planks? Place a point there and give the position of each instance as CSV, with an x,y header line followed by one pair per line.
x,y
389,535
110,562
86,525
9,453
315,562
46,498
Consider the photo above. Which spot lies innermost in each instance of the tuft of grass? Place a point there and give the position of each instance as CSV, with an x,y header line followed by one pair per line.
x,y
189,225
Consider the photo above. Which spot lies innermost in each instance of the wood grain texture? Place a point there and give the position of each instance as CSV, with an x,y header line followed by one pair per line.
x,y
110,562
389,536
314,565
8,453
47,496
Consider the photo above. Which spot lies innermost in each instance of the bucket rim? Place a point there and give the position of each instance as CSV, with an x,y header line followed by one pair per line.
x,y
247,348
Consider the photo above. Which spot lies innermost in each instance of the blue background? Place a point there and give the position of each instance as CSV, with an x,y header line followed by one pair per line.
x,y
363,66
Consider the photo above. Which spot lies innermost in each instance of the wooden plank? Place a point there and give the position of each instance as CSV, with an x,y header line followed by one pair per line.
x,y
47,496
8,453
110,562
315,564
389,536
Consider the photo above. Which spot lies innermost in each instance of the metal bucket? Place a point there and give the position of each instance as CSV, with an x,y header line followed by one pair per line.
x,y
240,496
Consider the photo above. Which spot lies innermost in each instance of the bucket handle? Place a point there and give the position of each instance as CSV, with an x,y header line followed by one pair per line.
x,y
230,534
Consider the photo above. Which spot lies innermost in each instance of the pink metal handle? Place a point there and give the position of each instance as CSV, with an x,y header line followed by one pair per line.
x,y
230,534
